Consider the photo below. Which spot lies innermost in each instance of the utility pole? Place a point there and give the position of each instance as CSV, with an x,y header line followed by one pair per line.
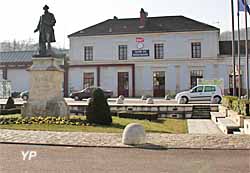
x,y
233,52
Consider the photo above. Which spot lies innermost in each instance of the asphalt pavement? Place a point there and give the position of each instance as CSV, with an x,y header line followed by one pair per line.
x,y
29,159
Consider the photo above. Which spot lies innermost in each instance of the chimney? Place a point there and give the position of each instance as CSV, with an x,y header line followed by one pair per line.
x,y
143,18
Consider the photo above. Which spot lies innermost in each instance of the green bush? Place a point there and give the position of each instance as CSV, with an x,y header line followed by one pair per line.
x,y
227,101
235,104
98,111
10,103
242,106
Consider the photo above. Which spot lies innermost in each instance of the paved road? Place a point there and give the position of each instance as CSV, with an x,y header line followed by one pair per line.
x,y
200,126
113,160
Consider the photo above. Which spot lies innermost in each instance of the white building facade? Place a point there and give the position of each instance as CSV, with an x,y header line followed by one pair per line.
x,y
149,61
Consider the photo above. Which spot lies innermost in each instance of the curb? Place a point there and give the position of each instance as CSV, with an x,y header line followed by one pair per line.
x,y
145,146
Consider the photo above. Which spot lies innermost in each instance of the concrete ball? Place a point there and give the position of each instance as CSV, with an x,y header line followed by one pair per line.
x,y
121,97
119,101
150,101
133,134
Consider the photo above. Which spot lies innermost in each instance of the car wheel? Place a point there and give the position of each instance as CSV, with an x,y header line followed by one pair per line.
x,y
76,98
217,99
184,100
25,97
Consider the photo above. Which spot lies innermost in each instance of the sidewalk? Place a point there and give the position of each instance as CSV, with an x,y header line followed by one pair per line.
x,y
192,141
202,126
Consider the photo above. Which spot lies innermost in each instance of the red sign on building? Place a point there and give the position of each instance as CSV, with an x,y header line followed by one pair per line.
x,y
139,40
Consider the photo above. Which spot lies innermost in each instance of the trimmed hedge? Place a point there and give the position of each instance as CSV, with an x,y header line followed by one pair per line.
x,y
227,101
10,111
138,115
232,102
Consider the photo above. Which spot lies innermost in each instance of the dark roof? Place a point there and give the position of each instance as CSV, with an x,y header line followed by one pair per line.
x,y
16,56
153,25
25,56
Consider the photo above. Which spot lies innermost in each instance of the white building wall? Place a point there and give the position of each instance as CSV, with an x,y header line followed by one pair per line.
x,y
109,78
177,45
184,77
171,78
1,74
76,77
19,79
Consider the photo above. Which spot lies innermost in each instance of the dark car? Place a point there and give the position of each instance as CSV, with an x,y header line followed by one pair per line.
x,y
87,93
24,95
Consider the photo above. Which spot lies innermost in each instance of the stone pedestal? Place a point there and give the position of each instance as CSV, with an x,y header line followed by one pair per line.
x,y
45,94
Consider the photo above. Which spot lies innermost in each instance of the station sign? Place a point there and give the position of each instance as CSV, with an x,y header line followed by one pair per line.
x,y
140,53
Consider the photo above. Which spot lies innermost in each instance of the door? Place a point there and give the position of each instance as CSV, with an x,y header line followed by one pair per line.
x,y
159,84
209,91
196,94
123,84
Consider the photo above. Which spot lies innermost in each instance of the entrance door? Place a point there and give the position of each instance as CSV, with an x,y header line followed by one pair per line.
x,y
123,84
159,84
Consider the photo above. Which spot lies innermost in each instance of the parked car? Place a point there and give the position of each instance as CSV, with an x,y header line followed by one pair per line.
x,y
24,95
210,93
87,93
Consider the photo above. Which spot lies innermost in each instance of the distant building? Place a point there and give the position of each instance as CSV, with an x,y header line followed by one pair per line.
x,y
14,65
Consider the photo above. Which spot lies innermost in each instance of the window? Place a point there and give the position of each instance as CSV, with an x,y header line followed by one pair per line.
x,y
88,80
123,52
194,76
196,50
198,89
209,88
88,53
159,51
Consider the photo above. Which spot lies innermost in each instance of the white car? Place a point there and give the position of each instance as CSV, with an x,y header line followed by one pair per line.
x,y
210,93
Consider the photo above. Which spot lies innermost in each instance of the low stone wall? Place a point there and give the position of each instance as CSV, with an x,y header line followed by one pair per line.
x,y
237,118
247,126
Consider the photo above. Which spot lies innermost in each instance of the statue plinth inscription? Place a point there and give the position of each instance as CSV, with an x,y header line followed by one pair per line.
x,y
45,94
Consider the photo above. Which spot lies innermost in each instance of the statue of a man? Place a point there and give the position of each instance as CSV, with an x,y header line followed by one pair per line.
x,y
46,32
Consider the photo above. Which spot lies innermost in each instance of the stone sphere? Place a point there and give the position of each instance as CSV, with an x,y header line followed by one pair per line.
x,y
144,97
167,97
133,134
119,101
150,101
121,97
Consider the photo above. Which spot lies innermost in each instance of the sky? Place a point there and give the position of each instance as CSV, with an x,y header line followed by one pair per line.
x,y
19,18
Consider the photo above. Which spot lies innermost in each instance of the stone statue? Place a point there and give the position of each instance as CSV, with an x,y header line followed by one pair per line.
x,y
46,32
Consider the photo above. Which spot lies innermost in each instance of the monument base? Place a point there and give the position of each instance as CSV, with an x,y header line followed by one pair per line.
x,y
45,94
55,107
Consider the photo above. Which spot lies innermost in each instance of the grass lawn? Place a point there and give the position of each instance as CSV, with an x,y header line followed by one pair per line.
x,y
174,126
